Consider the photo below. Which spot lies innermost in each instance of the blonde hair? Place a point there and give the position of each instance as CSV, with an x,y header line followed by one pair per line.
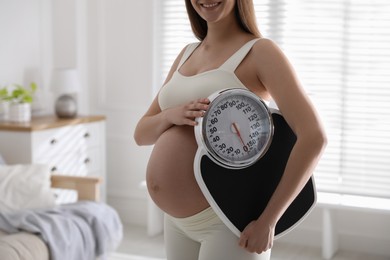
x,y
244,11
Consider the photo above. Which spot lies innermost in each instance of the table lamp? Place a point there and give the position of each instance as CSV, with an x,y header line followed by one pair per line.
x,y
66,83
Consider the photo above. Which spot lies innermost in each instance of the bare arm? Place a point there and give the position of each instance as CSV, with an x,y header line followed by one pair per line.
x,y
277,75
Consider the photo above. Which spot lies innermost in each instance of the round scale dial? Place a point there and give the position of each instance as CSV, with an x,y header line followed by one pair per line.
x,y
237,128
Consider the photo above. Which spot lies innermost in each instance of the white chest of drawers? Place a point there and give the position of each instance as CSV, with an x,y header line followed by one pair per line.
x,y
70,146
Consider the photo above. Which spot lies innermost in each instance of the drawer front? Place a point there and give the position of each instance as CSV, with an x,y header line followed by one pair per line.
x,y
92,159
74,149
64,140
80,162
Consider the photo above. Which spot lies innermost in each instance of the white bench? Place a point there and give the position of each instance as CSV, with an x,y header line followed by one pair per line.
x,y
330,202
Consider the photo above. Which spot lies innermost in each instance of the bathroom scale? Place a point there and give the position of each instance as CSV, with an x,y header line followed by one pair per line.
x,y
243,148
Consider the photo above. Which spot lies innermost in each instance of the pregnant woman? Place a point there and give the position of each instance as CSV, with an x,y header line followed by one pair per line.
x,y
230,53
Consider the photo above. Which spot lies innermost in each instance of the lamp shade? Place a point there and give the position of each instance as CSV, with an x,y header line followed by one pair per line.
x,y
65,81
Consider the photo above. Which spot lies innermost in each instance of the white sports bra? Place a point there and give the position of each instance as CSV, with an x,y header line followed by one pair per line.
x,y
181,89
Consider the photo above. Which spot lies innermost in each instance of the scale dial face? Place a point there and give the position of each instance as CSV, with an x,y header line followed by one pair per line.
x,y
237,128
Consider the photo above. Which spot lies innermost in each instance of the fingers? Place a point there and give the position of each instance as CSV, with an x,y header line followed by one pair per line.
x,y
200,104
252,240
255,247
191,116
194,113
196,109
186,114
202,100
243,241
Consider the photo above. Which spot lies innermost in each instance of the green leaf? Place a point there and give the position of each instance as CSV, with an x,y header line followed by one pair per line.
x,y
3,93
27,99
19,93
33,86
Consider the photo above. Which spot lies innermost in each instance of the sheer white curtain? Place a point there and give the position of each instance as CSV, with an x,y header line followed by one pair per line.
x,y
341,52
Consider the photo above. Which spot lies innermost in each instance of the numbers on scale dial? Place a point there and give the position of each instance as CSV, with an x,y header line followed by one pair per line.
x,y
235,128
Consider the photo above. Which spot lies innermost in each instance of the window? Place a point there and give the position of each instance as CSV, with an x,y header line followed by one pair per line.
x,y
341,52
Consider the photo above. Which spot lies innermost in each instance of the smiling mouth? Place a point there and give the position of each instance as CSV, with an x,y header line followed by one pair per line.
x,y
211,5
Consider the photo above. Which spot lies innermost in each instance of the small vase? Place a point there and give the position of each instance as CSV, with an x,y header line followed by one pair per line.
x,y
4,107
20,113
66,107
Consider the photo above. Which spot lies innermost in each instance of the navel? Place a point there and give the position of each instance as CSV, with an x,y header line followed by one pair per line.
x,y
154,187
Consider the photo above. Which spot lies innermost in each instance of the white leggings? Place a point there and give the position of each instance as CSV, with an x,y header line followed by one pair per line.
x,y
204,236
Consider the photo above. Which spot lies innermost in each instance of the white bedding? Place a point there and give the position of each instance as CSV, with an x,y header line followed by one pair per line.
x,y
83,230
25,186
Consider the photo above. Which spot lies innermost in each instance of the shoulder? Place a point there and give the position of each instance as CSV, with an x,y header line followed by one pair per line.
x,y
271,64
186,49
181,53
266,54
265,47
179,57
189,48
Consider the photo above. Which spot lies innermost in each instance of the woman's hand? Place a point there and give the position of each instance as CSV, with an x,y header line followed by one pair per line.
x,y
258,236
186,114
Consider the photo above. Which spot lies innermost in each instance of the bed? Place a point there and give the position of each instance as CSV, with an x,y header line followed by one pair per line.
x,y
48,233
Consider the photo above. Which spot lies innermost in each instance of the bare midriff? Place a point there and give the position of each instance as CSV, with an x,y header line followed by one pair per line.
x,y
170,176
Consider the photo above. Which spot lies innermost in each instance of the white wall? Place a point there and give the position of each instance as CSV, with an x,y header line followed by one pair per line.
x,y
20,39
23,46
38,36
111,43
120,59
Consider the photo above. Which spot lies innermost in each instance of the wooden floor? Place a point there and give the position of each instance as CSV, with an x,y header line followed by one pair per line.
x,y
137,245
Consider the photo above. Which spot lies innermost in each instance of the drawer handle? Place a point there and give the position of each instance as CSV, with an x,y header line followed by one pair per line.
x,y
87,135
87,160
53,169
53,141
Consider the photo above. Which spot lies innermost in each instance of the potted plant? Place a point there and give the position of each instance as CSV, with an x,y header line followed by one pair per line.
x,y
19,99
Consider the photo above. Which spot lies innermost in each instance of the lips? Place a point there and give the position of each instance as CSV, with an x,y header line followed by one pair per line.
x,y
210,5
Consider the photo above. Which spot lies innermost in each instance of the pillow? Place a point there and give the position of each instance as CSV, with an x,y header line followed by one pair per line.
x,y
25,186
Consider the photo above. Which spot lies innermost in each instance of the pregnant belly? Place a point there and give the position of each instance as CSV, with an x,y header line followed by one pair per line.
x,y
170,177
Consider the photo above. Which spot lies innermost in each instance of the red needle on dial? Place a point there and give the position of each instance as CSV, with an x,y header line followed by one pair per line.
x,y
239,136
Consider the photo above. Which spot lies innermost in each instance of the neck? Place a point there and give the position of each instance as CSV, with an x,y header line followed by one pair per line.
x,y
222,31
